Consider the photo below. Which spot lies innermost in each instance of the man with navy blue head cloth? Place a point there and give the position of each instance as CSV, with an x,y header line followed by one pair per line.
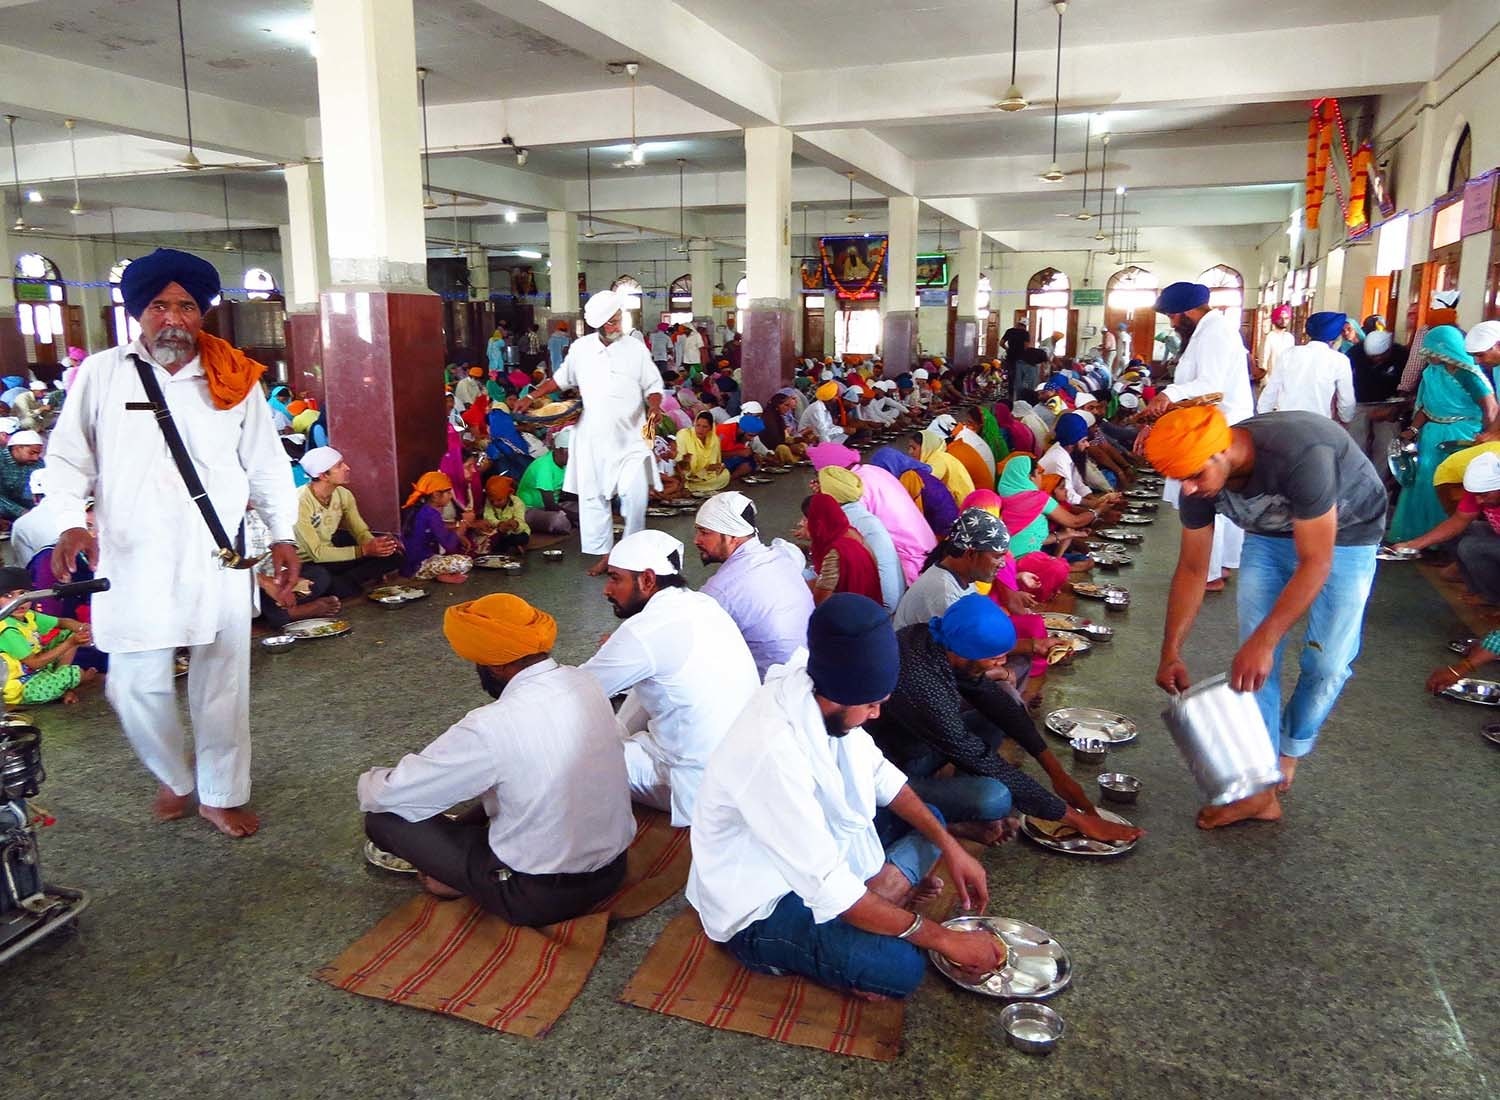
x,y
810,851
1313,377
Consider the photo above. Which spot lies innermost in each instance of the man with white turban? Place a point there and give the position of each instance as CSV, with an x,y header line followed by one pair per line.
x,y
611,454
760,586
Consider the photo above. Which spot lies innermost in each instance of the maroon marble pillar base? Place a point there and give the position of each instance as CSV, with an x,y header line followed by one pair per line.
x,y
383,381
766,351
898,341
304,355
965,343
12,346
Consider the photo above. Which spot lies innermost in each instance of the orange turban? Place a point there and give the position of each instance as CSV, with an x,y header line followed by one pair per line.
x,y
827,391
433,481
476,372
501,485
1182,442
297,408
498,629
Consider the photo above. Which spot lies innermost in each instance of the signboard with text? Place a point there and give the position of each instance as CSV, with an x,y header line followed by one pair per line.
x,y
1088,296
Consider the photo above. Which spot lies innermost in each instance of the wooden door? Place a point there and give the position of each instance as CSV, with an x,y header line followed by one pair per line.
x,y
812,333
73,328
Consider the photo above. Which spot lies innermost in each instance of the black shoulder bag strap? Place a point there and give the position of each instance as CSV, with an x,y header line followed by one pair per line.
x,y
228,554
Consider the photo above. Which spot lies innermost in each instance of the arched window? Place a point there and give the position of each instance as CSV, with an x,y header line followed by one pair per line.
x,y
126,327
680,301
258,284
40,296
630,290
1226,290
1131,289
1047,300
1460,167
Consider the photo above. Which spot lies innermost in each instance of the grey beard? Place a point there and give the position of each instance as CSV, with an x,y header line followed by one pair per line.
x,y
609,338
172,347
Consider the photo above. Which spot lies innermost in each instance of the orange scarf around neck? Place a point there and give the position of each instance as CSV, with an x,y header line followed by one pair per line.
x,y
231,373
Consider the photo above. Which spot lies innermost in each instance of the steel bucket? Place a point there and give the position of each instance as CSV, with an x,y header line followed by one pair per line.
x,y
1223,738
1401,457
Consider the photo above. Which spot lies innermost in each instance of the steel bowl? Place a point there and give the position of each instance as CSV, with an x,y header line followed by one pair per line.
x,y
553,554
1031,1028
1117,601
278,643
1089,750
1119,787
390,603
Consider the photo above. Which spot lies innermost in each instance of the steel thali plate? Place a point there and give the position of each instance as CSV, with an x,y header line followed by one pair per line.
x,y
1106,725
1036,965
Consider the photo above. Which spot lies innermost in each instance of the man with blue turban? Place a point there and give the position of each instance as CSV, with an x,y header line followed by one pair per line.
x,y
173,583
810,851
1213,360
1313,377
948,707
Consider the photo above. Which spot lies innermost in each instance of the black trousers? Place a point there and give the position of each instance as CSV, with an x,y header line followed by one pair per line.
x,y
277,617
348,578
458,854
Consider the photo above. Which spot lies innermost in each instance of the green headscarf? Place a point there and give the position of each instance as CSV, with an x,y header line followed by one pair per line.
x,y
989,431
1447,341
1016,477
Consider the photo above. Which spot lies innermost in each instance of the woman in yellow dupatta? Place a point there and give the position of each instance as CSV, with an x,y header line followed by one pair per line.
x,y
947,469
699,459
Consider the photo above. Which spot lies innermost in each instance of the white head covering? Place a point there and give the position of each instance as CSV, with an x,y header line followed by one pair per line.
x,y
1378,342
943,425
38,482
600,307
1483,474
752,408
653,550
1445,299
921,374
9,424
25,439
1129,401
730,513
319,460
564,438
1481,337
886,384
853,395
1086,416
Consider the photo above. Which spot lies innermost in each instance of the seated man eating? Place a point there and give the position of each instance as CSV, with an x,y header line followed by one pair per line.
x,y
332,537
547,840
808,845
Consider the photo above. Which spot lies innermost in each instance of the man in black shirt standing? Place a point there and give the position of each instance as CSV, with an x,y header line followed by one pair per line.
x,y
1377,362
1313,511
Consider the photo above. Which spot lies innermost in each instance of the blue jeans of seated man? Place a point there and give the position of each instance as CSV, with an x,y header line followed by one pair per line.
x,y
835,953
1334,624
961,797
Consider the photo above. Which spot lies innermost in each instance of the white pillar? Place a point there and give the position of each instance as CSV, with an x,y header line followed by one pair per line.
x,y
478,261
966,326
304,248
562,246
701,267
766,355
91,300
371,127
898,304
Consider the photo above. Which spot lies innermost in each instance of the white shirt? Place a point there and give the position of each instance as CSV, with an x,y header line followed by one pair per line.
x,y
1215,362
1277,342
167,584
786,809
692,675
1058,461
547,761
817,417
690,349
466,392
614,380
34,532
1309,378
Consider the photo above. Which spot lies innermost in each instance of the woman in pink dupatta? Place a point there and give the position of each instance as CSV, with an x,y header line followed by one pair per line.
x,y
1008,577
1017,435
1043,575
888,501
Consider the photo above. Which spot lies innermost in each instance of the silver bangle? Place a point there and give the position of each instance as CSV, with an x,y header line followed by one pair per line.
x,y
916,925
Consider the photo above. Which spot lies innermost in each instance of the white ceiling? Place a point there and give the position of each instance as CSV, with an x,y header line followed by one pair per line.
x,y
797,35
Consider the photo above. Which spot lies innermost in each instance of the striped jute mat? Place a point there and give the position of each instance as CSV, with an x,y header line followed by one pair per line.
x,y
453,958
685,974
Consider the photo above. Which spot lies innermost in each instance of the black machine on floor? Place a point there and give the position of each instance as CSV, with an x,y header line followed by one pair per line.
x,y
30,910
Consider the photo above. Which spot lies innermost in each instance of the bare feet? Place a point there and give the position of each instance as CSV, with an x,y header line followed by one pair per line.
x,y
889,884
926,890
1288,765
1214,586
168,805
984,832
598,568
235,821
438,889
69,698
1258,807
315,609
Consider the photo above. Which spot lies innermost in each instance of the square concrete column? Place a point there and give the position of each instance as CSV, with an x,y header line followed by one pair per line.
x,y
766,355
898,336
304,252
701,267
966,320
830,325
89,267
12,346
562,248
382,329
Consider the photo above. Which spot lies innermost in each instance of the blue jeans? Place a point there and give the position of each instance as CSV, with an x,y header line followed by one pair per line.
x,y
1332,639
835,953
961,797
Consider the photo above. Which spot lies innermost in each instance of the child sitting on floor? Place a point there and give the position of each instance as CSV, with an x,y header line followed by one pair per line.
x,y
37,650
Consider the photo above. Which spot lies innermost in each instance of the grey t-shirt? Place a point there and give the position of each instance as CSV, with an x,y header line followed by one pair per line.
x,y
1305,464
929,596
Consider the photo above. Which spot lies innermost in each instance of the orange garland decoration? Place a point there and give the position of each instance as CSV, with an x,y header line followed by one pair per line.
x,y
877,254
1359,182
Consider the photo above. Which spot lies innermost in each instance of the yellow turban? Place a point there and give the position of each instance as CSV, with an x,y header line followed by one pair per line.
x,y
827,391
1182,442
498,629
842,485
433,481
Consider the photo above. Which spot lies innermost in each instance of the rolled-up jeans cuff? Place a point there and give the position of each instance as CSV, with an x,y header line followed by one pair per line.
x,y
1297,749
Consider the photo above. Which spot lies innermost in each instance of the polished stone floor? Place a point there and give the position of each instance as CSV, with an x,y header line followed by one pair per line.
x,y
1345,952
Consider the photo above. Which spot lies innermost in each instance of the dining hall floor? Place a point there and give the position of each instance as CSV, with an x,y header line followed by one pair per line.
x,y
1345,952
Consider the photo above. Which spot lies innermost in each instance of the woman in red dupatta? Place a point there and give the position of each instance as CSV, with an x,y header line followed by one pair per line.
x,y
843,562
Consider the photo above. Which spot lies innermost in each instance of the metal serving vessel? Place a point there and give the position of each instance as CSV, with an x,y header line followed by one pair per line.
x,y
1080,845
1222,736
1484,692
1036,966
1106,725
1032,1028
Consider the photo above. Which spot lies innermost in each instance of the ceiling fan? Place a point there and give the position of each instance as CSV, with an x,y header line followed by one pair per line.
x,y
853,215
637,155
589,231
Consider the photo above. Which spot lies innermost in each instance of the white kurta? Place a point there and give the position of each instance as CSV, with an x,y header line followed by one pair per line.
x,y
609,456
690,672
1277,341
817,417
1310,378
1215,362
166,583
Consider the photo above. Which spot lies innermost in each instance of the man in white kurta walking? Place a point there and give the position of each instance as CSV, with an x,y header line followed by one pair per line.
x,y
1314,377
1213,360
610,456
170,584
